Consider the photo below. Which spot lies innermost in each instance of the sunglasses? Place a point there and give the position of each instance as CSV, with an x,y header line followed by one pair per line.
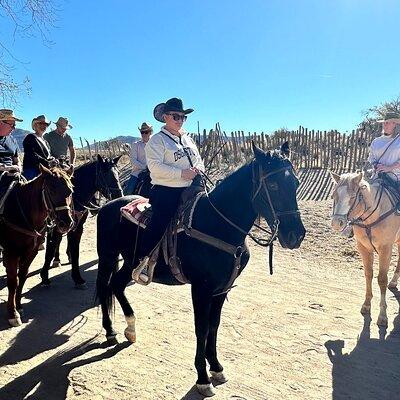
x,y
146,133
178,117
12,124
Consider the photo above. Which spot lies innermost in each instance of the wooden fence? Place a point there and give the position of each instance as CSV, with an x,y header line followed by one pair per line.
x,y
313,153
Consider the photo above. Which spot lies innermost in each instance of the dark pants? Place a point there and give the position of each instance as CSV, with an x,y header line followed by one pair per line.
x,y
164,202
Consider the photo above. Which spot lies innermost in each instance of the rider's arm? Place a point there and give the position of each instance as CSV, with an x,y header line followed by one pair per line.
x,y
72,154
155,160
136,164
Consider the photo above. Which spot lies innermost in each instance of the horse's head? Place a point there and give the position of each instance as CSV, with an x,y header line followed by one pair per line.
x,y
351,197
57,197
274,194
107,181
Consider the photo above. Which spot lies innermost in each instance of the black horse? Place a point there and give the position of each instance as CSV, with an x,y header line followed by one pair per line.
x,y
100,175
266,186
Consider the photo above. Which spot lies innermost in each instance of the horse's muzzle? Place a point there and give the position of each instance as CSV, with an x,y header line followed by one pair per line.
x,y
339,222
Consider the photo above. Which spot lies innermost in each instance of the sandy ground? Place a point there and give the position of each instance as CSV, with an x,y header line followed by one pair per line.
x,y
295,335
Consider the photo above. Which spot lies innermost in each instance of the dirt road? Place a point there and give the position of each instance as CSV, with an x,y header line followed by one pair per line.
x,y
293,335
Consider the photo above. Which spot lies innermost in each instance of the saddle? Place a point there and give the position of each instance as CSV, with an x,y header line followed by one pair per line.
x,y
393,187
138,211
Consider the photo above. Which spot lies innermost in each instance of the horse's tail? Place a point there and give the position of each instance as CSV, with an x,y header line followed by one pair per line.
x,y
108,252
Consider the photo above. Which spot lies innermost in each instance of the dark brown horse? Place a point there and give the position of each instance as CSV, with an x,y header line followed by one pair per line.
x,y
28,209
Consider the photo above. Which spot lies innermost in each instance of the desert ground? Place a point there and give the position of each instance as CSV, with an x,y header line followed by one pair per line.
x,y
297,334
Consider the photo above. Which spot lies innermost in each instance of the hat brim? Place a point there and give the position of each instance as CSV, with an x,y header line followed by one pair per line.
x,y
34,122
11,119
66,127
159,111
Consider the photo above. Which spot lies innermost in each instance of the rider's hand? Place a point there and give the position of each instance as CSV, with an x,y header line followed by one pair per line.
x,y
189,174
383,168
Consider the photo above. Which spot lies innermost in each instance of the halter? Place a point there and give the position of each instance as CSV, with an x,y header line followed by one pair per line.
x,y
101,182
50,208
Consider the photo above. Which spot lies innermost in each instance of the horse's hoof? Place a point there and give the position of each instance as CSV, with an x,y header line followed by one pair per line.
x,y
206,390
14,322
81,286
382,321
45,282
392,285
365,310
112,340
56,264
130,334
220,377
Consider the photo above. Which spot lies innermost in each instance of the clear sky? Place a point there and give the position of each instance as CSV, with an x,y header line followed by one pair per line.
x,y
254,65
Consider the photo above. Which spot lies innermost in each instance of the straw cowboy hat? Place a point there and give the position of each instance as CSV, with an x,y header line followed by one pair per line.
x,y
391,116
63,123
40,118
173,104
145,127
8,115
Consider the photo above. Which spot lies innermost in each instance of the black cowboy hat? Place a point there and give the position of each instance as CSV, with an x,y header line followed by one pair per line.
x,y
173,104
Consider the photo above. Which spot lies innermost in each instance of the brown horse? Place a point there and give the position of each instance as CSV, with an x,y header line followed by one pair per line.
x,y
371,210
28,209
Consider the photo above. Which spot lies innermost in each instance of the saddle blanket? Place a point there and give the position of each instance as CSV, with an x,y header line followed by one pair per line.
x,y
138,211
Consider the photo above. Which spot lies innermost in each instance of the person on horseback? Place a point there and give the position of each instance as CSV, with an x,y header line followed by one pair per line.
x,y
61,142
10,165
175,164
385,150
138,157
36,149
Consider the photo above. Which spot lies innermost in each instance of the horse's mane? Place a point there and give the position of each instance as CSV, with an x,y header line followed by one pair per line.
x,y
276,156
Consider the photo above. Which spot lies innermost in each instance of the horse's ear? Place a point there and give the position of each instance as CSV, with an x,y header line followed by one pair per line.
x,y
116,159
44,170
285,149
258,153
334,176
359,177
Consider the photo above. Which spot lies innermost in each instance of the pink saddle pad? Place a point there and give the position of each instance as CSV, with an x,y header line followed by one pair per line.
x,y
137,211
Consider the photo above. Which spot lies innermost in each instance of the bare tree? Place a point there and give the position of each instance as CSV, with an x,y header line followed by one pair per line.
x,y
21,19
373,114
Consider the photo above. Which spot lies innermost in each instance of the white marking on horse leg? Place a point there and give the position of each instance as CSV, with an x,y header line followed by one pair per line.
x,y
14,322
220,377
130,331
206,390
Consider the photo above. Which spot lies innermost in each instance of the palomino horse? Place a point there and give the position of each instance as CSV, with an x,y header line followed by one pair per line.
x,y
266,186
100,175
27,210
370,209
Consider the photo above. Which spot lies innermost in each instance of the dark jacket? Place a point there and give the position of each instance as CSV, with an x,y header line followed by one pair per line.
x,y
35,152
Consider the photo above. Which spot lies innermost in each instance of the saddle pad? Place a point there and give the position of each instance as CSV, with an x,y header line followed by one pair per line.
x,y
137,211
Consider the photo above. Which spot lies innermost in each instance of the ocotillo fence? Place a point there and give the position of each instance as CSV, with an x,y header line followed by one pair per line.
x,y
310,149
314,153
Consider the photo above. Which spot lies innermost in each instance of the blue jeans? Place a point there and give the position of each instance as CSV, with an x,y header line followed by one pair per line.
x,y
130,185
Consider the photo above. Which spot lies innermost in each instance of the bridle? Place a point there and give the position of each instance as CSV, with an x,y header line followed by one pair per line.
x,y
259,183
101,181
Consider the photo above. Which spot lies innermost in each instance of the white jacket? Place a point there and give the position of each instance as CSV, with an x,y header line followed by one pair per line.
x,y
138,157
166,158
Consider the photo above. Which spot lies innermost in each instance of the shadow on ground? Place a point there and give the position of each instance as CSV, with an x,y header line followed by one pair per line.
x,y
372,369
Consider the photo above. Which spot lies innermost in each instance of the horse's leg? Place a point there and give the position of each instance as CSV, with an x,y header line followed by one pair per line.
x,y
11,264
74,239
57,260
53,242
202,299
396,275
385,254
367,257
118,283
216,368
24,264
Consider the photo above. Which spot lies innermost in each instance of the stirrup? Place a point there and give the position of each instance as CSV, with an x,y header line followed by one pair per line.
x,y
139,274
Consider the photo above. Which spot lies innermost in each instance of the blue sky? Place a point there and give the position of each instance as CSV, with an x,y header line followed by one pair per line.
x,y
257,65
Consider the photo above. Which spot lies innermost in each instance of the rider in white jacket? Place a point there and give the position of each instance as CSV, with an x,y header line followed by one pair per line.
x,y
174,163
